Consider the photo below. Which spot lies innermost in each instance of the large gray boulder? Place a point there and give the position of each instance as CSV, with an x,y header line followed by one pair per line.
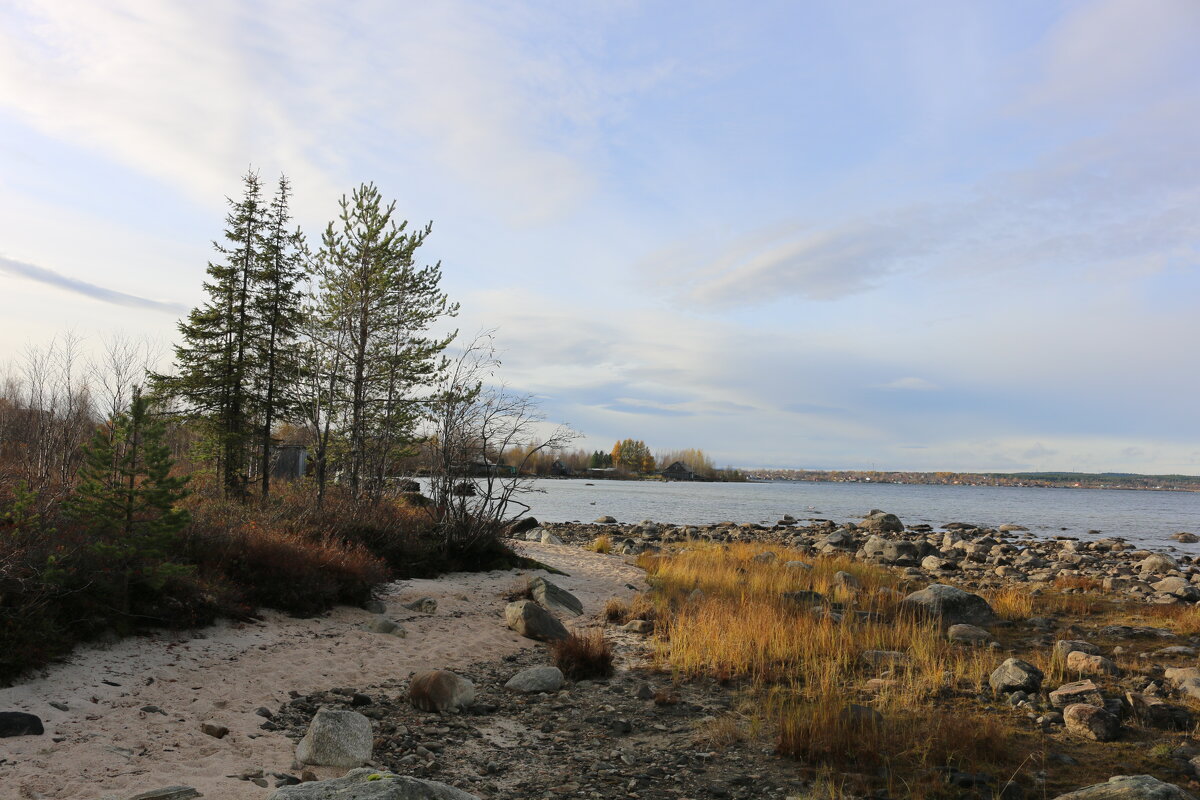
x,y
1156,564
891,551
440,690
554,597
1015,675
336,739
882,522
950,604
534,622
535,679
1129,787
369,784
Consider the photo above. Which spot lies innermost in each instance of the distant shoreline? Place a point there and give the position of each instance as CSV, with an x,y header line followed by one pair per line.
x,y
1038,480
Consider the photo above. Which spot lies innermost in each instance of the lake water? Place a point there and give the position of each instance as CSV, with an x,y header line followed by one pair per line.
x,y
1143,517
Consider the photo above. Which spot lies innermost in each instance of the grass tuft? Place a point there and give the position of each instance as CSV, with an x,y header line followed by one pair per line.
x,y
583,656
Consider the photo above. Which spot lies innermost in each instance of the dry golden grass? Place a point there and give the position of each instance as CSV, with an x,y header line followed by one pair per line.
x,y
601,544
803,666
620,611
1022,602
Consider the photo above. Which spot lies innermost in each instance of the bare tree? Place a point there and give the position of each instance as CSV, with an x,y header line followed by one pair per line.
x,y
476,426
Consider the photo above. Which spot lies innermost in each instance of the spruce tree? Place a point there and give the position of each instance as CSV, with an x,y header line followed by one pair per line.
x,y
128,500
214,360
277,315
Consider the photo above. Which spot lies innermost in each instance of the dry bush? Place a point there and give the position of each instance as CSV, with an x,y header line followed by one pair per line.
x,y
616,609
640,606
720,732
601,544
583,656
1082,583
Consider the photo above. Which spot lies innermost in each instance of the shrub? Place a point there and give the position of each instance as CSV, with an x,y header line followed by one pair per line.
x,y
582,656
601,544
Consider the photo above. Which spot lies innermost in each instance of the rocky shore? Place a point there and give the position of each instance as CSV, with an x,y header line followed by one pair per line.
x,y
495,720
969,555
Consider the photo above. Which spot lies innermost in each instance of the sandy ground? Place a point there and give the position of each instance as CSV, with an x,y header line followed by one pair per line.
x,y
110,748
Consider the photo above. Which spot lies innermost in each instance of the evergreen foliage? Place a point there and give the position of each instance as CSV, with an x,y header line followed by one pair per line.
x,y
128,500
375,309
239,358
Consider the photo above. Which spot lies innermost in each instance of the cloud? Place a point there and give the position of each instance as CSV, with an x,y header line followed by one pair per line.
x,y
446,96
51,278
910,384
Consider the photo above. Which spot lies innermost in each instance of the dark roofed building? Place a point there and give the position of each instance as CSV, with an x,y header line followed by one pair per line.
x,y
679,471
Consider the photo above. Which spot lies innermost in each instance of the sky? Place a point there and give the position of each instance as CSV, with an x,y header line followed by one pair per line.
x,y
823,235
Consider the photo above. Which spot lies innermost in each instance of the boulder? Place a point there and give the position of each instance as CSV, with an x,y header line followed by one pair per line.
x,y
440,690
882,522
1156,564
522,525
336,739
644,626
1064,647
369,784
1185,538
765,557
891,551
950,604
550,538
19,723
606,520
1087,664
846,580
535,679
1076,692
1015,675
1177,587
168,793
1158,713
1129,787
534,622
554,597
970,634
1091,722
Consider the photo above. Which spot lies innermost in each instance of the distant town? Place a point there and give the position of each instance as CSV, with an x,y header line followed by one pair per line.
x,y
1071,480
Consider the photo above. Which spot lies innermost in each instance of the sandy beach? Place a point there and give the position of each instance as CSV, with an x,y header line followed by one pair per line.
x,y
135,709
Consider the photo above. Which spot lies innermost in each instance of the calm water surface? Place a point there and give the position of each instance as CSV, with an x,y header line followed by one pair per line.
x,y
1143,517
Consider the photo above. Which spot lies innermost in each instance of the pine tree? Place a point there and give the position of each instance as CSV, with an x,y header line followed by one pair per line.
x,y
214,361
377,306
128,500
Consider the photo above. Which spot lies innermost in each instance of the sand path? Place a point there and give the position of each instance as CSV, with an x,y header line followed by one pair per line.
x,y
110,747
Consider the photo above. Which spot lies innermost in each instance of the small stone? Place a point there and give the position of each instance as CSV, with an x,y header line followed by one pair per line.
x,y
215,731
426,605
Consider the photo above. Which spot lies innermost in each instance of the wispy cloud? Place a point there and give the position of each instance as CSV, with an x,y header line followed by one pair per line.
x,y
910,384
49,277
